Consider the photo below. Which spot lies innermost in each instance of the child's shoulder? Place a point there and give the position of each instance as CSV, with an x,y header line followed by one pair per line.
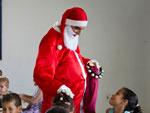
x,y
108,110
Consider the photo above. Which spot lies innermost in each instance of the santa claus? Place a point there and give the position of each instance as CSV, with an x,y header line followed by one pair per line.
x,y
60,66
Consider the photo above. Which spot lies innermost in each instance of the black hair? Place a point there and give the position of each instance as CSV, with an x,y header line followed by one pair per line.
x,y
64,101
12,97
132,101
1,72
57,109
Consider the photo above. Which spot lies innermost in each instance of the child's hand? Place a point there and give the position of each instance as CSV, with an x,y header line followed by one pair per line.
x,y
21,95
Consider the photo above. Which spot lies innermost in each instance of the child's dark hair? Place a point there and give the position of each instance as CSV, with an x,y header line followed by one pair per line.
x,y
57,109
132,101
1,72
12,97
64,101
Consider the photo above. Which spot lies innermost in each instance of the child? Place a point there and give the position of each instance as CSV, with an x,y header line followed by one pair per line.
x,y
124,101
11,103
57,109
35,101
4,85
64,101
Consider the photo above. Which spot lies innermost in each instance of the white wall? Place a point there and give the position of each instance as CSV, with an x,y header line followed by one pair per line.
x,y
117,36
146,35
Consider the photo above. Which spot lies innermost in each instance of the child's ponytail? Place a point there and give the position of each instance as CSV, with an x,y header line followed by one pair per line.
x,y
137,109
132,98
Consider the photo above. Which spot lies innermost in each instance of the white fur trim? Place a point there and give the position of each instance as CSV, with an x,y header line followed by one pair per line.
x,y
76,23
81,65
55,26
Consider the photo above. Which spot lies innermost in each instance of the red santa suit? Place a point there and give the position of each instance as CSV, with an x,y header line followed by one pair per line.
x,y
56,66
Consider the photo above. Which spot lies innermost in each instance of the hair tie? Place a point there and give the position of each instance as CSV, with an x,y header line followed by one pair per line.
x,y
137,105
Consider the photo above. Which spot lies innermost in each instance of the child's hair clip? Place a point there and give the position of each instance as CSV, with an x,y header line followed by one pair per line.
x,y
61,98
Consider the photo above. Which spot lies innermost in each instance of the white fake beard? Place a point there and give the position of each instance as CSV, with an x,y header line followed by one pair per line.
x,y
71,39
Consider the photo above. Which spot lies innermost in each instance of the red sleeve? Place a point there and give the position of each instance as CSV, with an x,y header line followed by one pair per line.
x,y
85,60
45,68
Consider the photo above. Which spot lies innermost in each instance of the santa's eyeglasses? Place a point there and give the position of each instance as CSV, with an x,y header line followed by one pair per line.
x,y
77,29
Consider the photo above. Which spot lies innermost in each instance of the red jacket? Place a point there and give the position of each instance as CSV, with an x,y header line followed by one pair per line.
x,y
55,67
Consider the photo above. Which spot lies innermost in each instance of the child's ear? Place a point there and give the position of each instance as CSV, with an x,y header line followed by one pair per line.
x,y
125,102
20,109
7,86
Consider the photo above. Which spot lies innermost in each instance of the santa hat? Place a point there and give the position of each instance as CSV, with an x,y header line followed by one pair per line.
x,y
74,17
77,17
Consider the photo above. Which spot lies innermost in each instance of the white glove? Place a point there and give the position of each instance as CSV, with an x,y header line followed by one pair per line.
x,y
66,90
